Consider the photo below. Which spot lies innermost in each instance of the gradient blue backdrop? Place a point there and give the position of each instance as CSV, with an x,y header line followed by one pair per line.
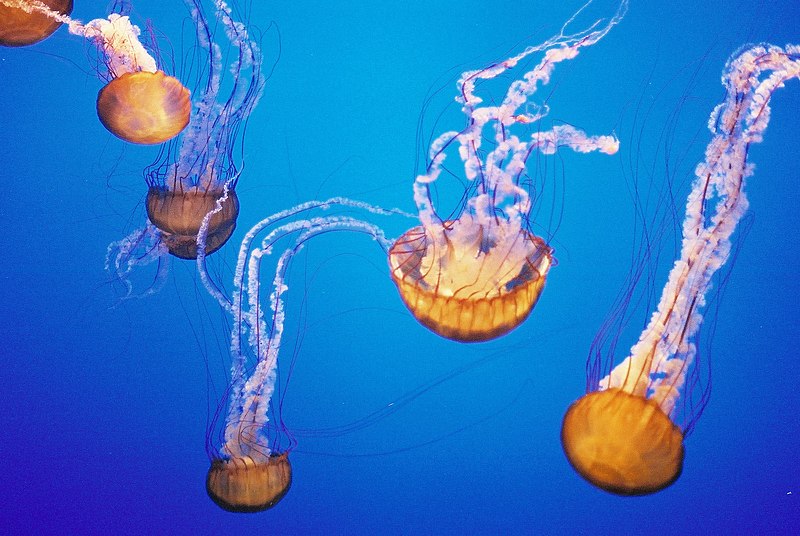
x,y
103,405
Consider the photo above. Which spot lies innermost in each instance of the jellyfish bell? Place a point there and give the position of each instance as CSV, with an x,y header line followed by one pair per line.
x,y
469,290
144,107
246,485
180,214
20,27
622,443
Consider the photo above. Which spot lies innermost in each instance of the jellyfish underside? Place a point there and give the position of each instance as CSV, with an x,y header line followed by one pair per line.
x,y
622,443
247,485
144,107
179,215
19,28
476,293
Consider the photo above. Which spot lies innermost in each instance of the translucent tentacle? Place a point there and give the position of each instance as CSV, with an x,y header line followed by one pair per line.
x,y
659,361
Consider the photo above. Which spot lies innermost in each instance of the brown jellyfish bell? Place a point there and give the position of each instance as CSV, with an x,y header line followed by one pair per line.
x,y
246,485
179,215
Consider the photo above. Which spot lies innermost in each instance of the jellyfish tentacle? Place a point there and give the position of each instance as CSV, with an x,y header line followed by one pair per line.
x,y
205,159
660,360
116,37
140,248
557,49
250,396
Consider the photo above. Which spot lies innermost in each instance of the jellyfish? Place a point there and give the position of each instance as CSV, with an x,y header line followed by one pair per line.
x,y
198,173
140,103
189,180
250,471
19,28
622,436
477,274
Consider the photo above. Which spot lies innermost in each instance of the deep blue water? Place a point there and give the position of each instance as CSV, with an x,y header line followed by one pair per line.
x,y
104,403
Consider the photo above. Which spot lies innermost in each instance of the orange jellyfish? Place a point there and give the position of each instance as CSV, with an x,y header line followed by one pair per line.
x,y
621,436
251,471
477,275
21,26
140,104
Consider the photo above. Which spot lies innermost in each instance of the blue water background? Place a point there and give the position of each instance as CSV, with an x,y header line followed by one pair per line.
x,y
104,404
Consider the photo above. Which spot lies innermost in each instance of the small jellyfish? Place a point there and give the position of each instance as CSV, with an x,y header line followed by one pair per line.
x,y
477,275
140,103
189,179
621,436
20,25
250,471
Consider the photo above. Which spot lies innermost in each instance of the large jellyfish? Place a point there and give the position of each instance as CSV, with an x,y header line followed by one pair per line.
x,y
621,436
198,175
477,274
20,28
140,103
